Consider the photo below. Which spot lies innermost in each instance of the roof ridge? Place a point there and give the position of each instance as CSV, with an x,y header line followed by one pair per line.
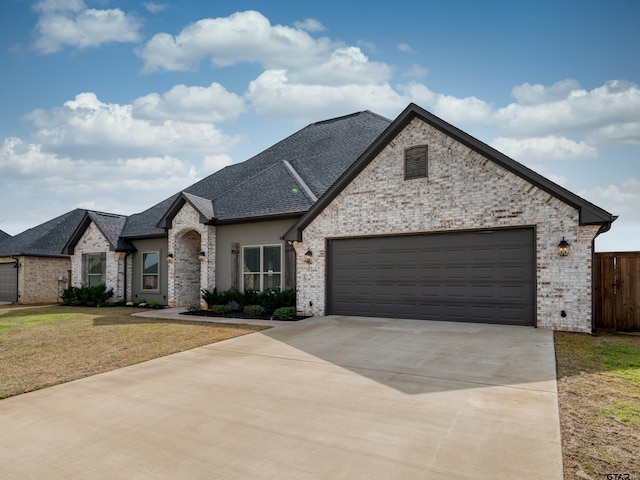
x,y
296,176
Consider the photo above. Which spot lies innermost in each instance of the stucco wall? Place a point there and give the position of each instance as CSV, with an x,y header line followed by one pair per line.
x,y
135,279
463,190
256,233
93,241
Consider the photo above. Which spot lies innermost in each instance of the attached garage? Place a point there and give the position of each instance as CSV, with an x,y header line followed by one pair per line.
x,y
8,282
480,276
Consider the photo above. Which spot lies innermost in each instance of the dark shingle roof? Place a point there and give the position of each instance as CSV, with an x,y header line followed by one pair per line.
x,y
264,186
109,224
4,235
47,239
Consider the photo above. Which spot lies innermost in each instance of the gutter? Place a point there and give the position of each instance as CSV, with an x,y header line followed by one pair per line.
x,y
17,265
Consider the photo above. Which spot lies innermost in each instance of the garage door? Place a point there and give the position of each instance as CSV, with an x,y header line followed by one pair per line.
x,y
480,276
8,282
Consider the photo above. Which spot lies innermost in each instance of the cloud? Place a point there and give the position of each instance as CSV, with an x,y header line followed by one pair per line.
x,y
564,108
618,134
91,129
241,37
622,200
544,149
416,71
70,23
155,7
403,47
191,104
310,25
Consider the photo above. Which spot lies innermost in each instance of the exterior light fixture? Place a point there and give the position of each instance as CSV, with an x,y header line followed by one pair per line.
x,y
563,248
202,256
308,256
170,257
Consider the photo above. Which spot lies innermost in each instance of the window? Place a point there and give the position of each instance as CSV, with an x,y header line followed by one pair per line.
x,y
262,267
93,268
150,271
415,162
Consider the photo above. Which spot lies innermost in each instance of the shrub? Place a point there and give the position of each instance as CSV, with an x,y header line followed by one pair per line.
x,y
87,296
153,304
253,310
220,309
272,300
250,297
285,313
213,297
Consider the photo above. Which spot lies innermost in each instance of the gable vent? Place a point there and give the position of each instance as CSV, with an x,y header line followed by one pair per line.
x,y
415,162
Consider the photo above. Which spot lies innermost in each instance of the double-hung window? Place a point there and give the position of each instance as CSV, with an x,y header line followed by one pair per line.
x,y
262,267
150,271
94,268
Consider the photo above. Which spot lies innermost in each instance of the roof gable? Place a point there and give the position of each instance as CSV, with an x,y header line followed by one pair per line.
x,y
203,206
109,224
589,213
4,235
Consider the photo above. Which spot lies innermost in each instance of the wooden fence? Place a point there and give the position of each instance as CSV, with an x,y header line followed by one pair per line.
x,y
616,278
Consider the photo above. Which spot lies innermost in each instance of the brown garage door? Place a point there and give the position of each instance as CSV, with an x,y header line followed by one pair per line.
x,y
8,282
480,276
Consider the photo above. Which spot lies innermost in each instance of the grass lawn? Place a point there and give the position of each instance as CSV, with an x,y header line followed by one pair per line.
x,y
599,396
44,346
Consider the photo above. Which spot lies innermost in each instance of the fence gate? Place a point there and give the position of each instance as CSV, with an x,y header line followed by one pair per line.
x,y
617,291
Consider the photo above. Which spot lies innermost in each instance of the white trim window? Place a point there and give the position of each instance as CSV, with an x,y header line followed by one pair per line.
x,y
151,271
262,267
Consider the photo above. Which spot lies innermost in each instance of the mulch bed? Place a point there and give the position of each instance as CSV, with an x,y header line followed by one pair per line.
x,y
265,316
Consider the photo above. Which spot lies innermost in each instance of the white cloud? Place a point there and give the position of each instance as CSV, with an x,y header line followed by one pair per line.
x,y
191,104
310,25
241,37
416,71
544,149
92,129
213,163
567,109
618,134
622,200
403,47
70,23
527,94
155,7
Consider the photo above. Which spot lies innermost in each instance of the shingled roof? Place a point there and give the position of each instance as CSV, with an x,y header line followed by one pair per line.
x,y
45,240
283,180
109,224
4,235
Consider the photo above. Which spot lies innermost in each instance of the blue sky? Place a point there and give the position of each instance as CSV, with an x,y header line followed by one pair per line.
x,y
116,105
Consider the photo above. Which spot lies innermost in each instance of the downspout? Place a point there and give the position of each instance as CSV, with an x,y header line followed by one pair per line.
x,y
17,265
125,276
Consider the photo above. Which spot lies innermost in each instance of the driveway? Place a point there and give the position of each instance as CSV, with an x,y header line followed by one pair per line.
x,y
325,398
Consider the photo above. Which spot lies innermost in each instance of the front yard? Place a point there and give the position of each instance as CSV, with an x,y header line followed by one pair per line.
x,y
44,346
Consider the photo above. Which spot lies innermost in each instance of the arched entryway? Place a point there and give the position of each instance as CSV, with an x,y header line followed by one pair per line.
x,y
187,269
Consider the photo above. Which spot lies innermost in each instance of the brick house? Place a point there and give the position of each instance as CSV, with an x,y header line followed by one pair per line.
x,y
410,218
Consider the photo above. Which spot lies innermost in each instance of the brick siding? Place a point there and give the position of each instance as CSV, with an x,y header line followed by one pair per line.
x,y
463,191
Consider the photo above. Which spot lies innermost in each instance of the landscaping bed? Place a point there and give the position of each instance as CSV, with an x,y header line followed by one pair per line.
x,y
241,315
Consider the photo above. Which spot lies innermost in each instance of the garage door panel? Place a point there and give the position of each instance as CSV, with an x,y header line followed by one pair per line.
x,y
466,276
8,282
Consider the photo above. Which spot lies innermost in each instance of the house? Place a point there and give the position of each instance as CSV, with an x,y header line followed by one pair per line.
x,y
33,268
410,218
4,235
225,231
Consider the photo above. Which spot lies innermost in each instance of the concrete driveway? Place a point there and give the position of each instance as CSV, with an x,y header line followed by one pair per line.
x,y
326,398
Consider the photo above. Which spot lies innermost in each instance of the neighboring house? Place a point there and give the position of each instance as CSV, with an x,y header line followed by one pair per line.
x,y
33,268
410,218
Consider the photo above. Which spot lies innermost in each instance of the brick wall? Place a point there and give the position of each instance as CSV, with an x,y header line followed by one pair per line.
x,y
187,275
38,279
464,190
93,241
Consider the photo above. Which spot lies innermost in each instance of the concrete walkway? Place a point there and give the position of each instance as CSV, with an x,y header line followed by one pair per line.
x,y
325,398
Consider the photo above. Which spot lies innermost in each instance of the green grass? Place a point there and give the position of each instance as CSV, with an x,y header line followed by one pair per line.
x,y
621,360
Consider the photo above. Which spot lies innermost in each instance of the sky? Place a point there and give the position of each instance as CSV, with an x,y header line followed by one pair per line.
x,y
116,105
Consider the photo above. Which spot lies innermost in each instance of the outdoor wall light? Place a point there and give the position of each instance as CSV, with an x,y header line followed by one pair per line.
x,y
308,256
202,256
170,257
563,248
